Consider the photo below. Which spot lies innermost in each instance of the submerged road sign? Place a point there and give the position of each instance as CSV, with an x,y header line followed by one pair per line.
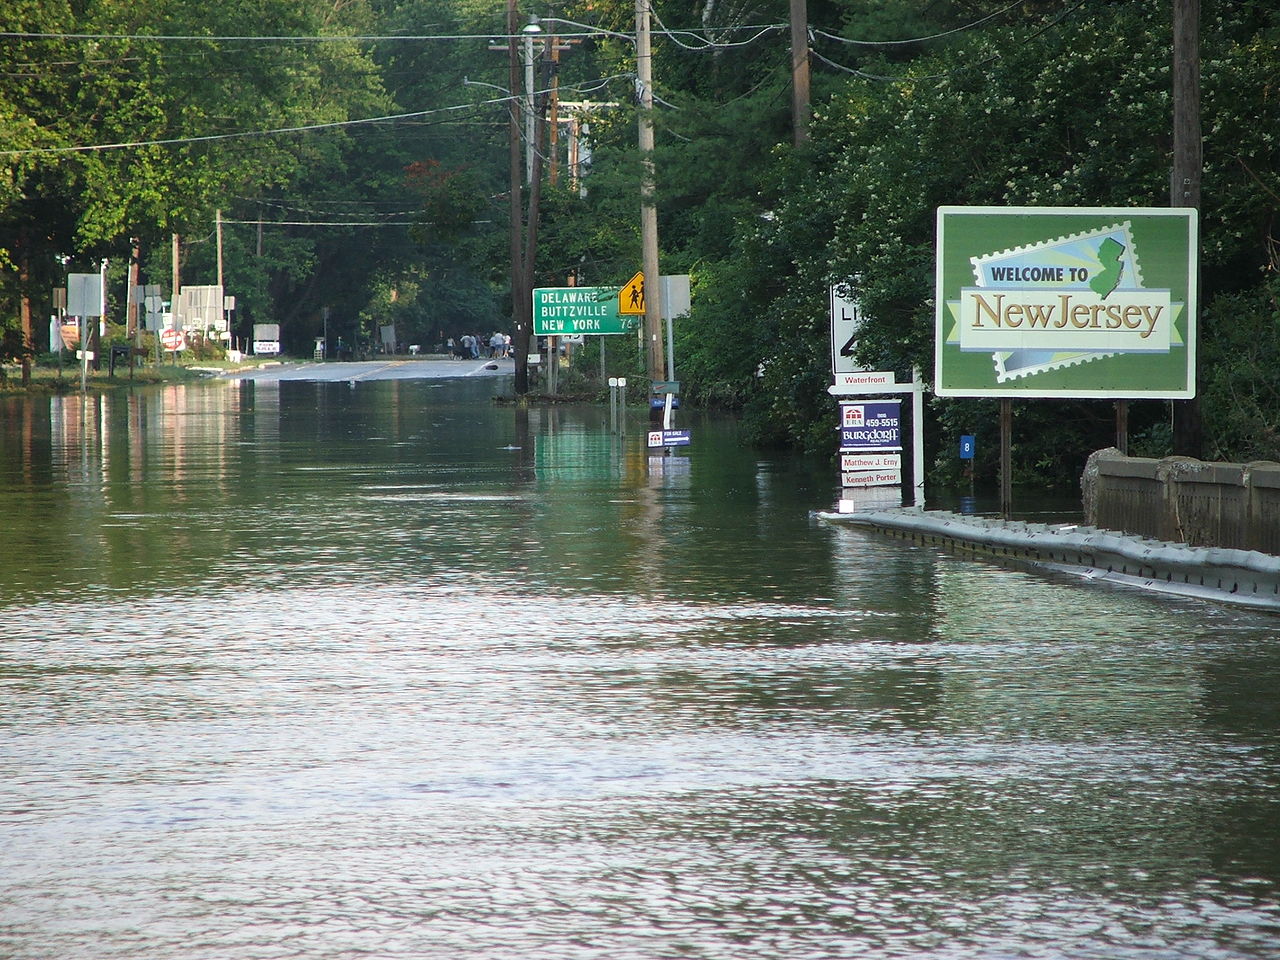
x,y
669,438
561,311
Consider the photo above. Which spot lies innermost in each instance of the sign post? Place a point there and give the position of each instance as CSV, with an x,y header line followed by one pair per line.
x,y
1068,302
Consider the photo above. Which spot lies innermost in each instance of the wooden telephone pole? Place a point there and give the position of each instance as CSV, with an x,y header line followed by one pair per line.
x,y
1184,187
800,71
655,351
521,307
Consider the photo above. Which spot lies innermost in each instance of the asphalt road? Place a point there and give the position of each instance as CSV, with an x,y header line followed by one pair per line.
x,y
397,368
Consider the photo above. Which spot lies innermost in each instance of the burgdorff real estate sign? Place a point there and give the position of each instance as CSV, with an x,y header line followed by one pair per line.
x,y
1066,302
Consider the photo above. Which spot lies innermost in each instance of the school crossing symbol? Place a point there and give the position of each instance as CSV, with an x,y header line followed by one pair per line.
x,y
631,296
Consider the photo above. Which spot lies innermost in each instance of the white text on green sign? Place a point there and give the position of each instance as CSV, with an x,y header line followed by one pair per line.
x,y
560,311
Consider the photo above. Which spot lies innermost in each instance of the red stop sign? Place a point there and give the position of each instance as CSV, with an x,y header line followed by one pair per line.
x,y
172,339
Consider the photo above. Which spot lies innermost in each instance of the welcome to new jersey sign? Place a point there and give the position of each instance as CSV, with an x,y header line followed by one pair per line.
x,y
1066,302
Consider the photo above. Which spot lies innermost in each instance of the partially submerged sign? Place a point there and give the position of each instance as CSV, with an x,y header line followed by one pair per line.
x,y
1066,302
670,438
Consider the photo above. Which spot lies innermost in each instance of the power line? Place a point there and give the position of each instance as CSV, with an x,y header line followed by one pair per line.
x,y
171,141
316,38
328,223
910,78
935,36
705,35
586,87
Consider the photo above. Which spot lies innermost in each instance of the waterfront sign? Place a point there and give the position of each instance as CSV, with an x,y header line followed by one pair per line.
x,y
1065,302
560,311
868,381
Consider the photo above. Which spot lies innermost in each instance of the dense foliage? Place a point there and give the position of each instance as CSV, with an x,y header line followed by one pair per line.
x,y
405,221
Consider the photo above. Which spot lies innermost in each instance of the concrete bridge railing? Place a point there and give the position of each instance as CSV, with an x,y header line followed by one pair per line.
x,y
1179,499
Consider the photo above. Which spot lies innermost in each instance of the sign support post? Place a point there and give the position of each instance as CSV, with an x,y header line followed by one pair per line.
x,y
917,440
1006,457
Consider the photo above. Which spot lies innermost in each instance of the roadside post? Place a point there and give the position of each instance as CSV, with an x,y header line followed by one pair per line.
x,y
617,402
968,446
86,294
863,460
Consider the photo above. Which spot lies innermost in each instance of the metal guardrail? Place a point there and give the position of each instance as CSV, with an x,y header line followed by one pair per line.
x,y
1224,575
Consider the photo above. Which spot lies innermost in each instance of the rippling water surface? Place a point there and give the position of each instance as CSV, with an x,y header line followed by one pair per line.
x,y
312,671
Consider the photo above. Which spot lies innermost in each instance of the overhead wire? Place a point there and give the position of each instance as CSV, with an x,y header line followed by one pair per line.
x,y
586,87
914,40
760,31
914,78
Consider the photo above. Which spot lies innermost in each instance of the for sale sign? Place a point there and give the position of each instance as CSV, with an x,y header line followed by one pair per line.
x,y
871,425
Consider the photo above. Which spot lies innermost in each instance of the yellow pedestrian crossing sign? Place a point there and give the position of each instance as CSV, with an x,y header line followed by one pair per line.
x,y
631,296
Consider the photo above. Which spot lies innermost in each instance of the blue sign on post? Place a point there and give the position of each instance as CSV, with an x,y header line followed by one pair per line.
x,y
871,425
967,445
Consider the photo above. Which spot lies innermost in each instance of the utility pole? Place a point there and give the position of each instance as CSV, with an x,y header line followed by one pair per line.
x,y
1188,431
134,314
800,71
529,124
654,347
24,305
553,132
177,281
521,307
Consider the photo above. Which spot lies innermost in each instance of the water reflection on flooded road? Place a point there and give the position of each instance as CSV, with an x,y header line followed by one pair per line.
x,y
309,670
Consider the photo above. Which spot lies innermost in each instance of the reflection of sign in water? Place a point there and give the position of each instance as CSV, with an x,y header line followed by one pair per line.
x,y
871,425
1059,302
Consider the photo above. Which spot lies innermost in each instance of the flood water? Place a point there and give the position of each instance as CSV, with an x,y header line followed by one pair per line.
x,y
298,670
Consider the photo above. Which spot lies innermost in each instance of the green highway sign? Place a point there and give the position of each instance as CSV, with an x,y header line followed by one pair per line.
x,y
563,311
1066,302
